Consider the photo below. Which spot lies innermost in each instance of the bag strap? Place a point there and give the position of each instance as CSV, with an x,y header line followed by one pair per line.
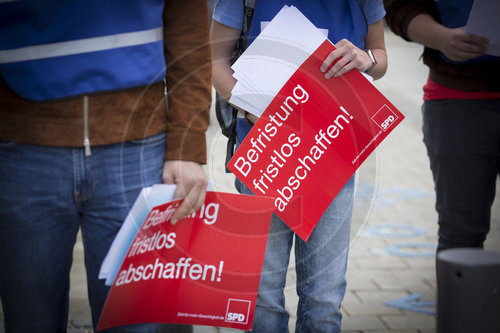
x,y
248,11
231,140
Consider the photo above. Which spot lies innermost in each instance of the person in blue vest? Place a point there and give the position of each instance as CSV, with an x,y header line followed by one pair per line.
x,y
97,100
356,28
461,114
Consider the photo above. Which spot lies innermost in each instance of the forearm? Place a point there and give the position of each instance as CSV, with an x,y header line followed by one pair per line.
x,y
399,13
224,40
223,79
455,43
379,70
424,30
375,41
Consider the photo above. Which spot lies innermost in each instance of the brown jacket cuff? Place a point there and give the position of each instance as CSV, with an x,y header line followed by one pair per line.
x,y
186,146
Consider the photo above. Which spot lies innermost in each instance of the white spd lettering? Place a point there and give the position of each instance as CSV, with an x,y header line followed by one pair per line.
x,y
238,317
387,122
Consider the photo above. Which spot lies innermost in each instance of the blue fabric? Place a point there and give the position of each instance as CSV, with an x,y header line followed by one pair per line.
x,y
320,264
86,73
455,14
30,23
48,193
230,12
35,22
342,19
242,129
373,9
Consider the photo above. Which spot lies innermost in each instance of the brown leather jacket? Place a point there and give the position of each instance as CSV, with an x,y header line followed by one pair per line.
x,y
134,113
482,76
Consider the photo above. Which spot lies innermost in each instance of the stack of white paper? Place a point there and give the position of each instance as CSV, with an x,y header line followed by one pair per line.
x,y
272,58
147,199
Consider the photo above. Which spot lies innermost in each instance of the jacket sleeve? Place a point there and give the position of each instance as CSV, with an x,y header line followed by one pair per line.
x,y
399,14
188,78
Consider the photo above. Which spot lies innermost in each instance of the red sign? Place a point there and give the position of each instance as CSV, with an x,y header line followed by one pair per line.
x,y
311,139
205,270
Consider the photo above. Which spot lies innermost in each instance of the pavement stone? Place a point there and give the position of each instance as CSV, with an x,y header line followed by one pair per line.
x,y
410,321
362,323
394,186
373,308
398,331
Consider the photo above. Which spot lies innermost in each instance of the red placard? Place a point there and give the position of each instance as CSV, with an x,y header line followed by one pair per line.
x,y
205,270
311,139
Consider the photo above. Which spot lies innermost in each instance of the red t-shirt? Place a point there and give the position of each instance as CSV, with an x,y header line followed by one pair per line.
x,y
433,91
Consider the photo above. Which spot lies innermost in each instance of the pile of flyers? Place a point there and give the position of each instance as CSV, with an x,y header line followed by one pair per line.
x,y
273,57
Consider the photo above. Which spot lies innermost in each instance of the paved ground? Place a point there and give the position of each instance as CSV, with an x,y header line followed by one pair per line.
x,y
394,228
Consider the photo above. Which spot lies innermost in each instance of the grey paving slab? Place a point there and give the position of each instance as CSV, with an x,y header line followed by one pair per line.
x,y
382,262
397,280
381,296
372,308
398,331
410,321
362,323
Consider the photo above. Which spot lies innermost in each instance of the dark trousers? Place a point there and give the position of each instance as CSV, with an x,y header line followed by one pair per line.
x,y
463,143
174,328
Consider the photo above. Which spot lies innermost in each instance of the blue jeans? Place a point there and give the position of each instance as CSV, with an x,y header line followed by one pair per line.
x,y
321,264
47,194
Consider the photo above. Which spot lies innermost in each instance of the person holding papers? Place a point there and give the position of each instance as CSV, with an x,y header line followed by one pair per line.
x,y
461,113
356,28
83,128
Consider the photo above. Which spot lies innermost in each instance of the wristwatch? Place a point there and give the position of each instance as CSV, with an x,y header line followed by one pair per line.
x,y
372,58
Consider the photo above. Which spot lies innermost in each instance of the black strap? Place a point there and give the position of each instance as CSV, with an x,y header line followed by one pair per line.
x,y
231,141
248,11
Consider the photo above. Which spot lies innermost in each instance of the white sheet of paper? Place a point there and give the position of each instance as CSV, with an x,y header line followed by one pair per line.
x,y
249,98
244,105
484,21
282,46
147,199
263,25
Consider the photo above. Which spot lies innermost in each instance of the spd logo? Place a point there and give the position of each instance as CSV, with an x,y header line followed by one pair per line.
x,y
384,118
237,311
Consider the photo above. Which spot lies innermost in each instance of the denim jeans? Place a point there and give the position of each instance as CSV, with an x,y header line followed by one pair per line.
x,y
321,264
47,194
463,145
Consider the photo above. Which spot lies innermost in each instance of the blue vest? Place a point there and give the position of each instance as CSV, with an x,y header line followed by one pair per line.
x,y
455,14
60,48
342,19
